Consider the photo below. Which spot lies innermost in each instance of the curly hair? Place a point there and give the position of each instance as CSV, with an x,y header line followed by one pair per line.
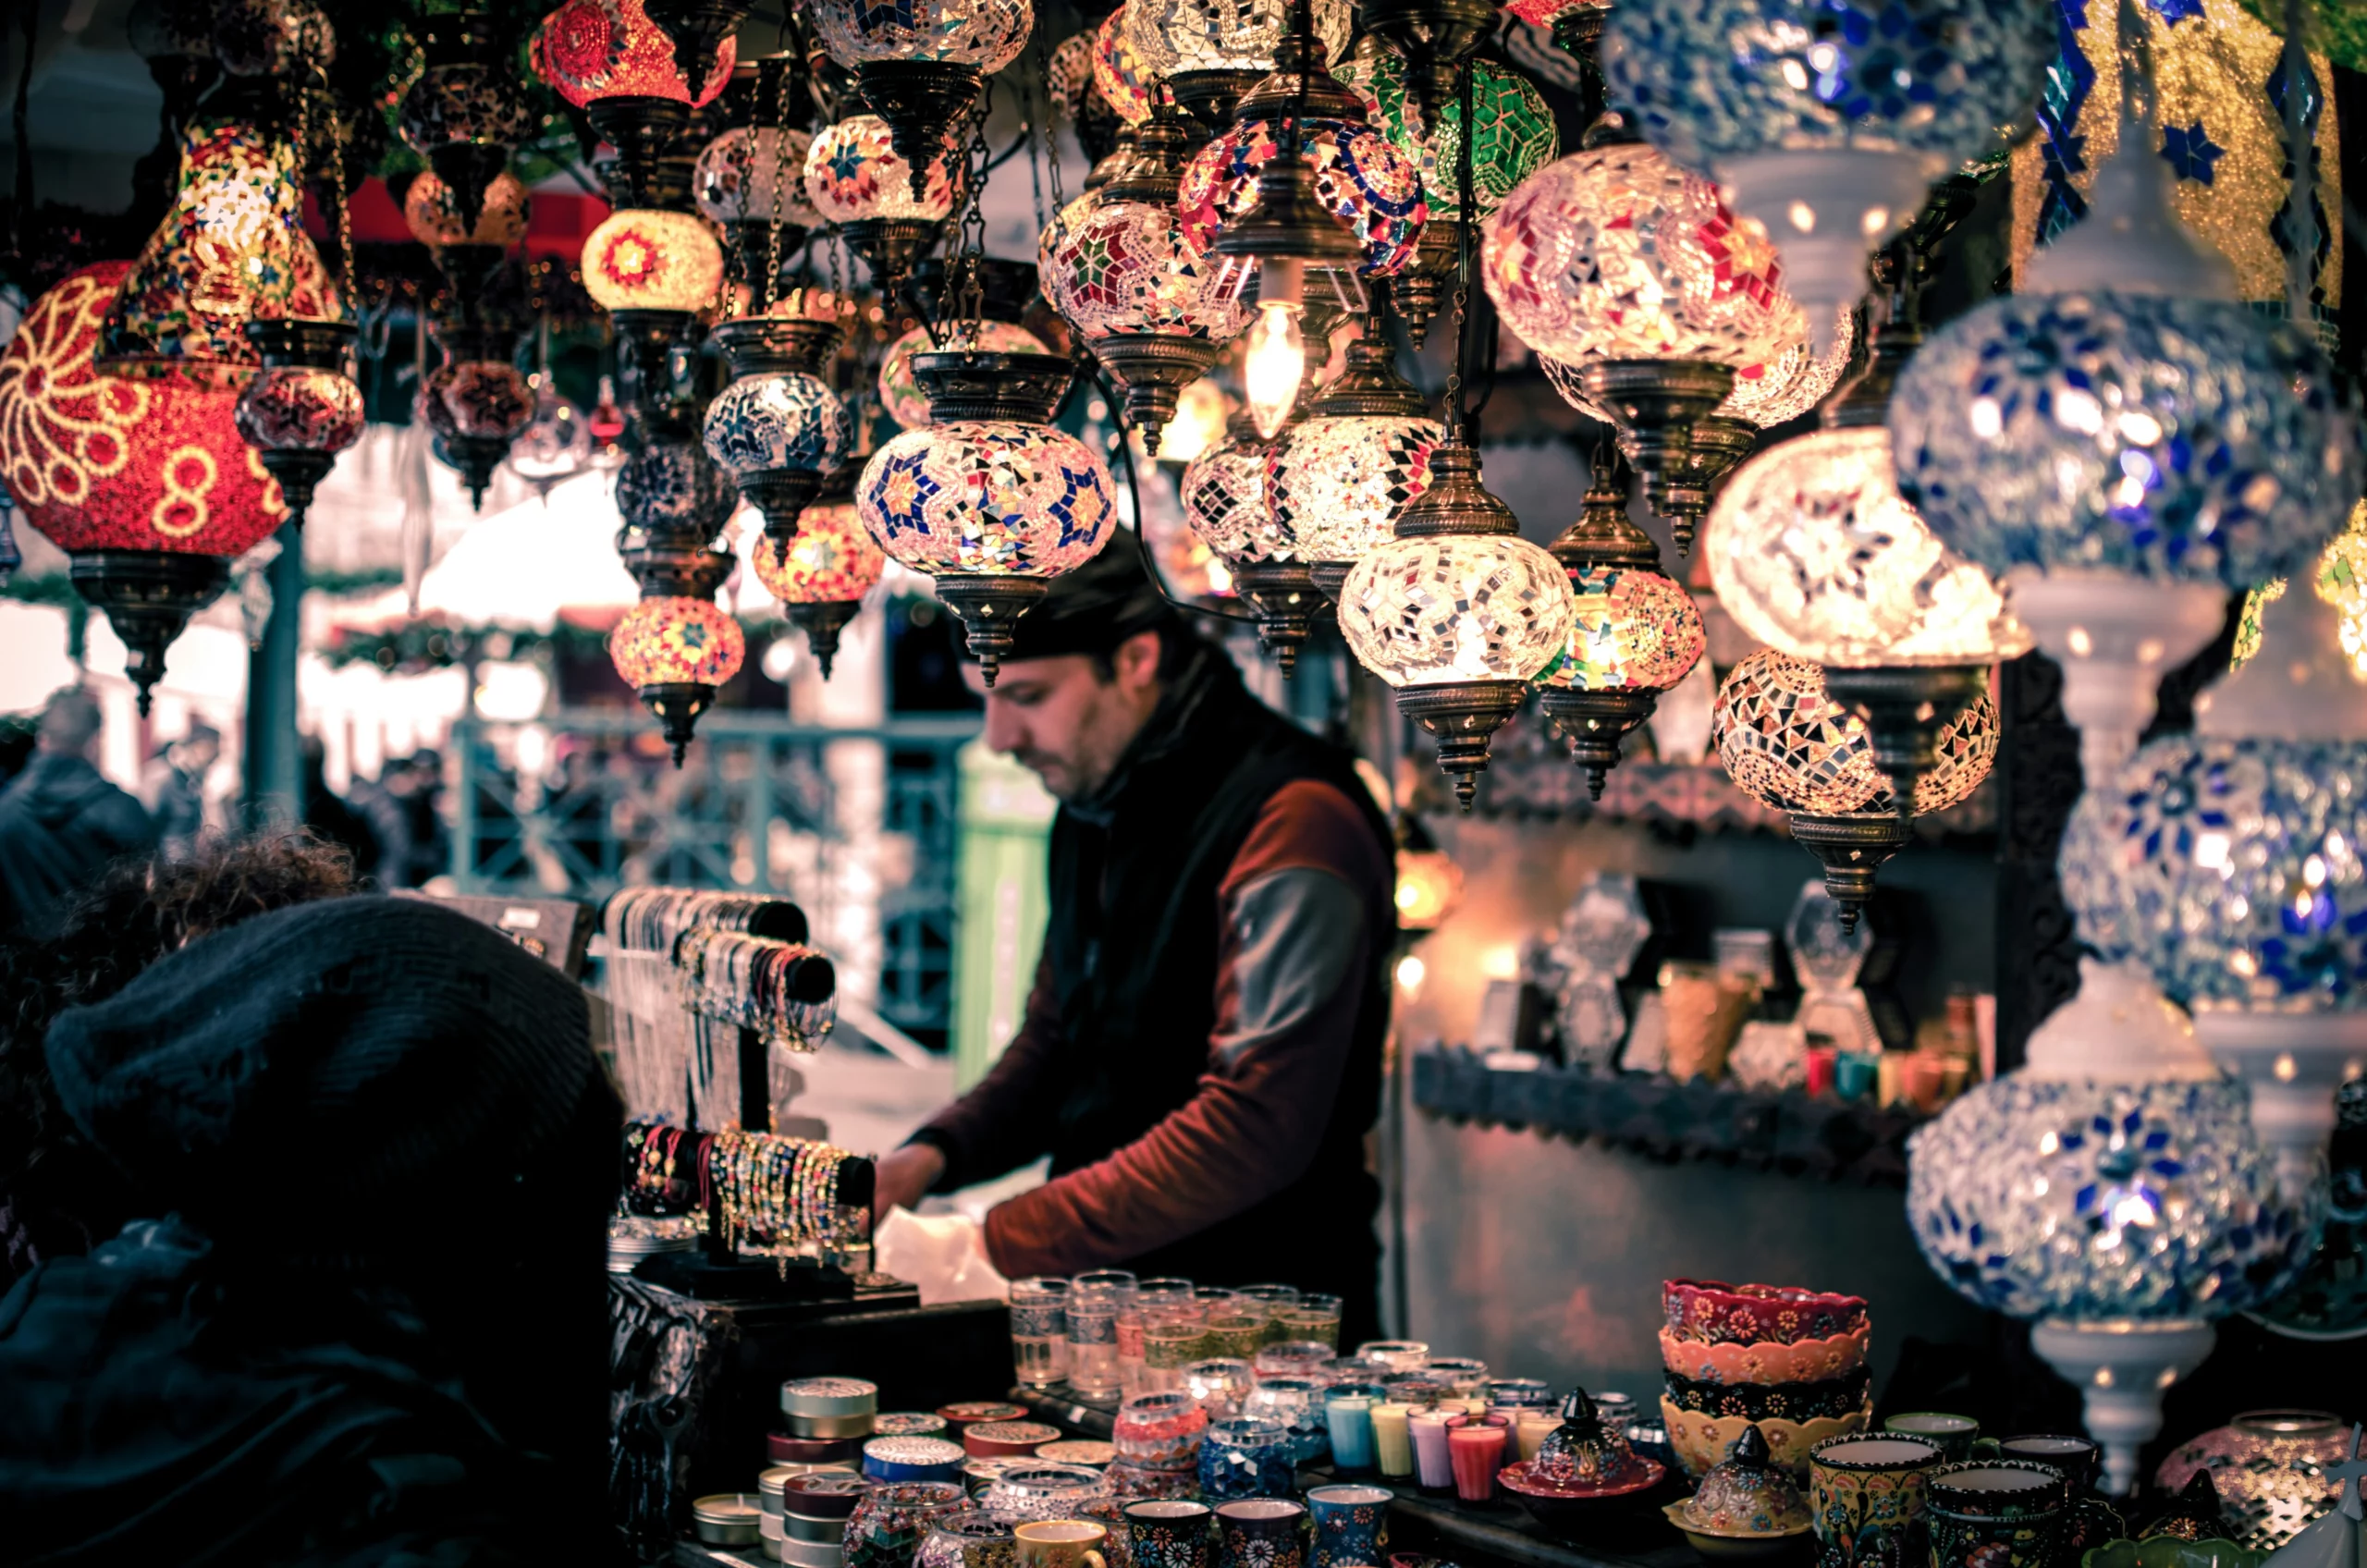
x,y
137,912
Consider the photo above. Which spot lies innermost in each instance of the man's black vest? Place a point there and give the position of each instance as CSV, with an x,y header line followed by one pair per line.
x,y
1133,942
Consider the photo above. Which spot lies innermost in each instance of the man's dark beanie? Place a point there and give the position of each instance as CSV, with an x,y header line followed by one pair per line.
x,y
1094,608
345,1071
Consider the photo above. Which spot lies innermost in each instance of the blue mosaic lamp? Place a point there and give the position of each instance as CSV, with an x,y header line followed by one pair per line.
x,y
2125,442
2113,1192
1827,119
778,428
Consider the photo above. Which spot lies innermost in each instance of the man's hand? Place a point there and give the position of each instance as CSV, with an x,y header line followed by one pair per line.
x,y
905,1177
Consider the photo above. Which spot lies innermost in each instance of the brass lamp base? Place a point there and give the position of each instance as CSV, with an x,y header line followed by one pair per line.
x,y
1209,97
1905,708
1717,448
781,494
889,247
822,622
1436,37
921,100
1154,368
676,704
473,458
1285,595
1463,715
1596,724
1654,405
990,606
148,596
1851,846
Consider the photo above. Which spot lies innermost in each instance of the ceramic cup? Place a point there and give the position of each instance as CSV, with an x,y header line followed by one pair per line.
x,y
1169,1534
1955,1434
1262,1532
1350,1523
2078,1458
1994,1514
1061,1543
2089,1520
1866,1494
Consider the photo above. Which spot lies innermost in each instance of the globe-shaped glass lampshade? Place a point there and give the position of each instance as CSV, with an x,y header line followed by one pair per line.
x,y
1711,79
100,463
2231,869
463,103
556,443
1223,494
1455,607
901,395
1784,387
232,249
1366,183
1811,551
1071,76
748,170
989,496
830,560
640,259
592,49
1517,135
1125,82
1783,740
1233,35
282,38
676,640
1630,630
299,408
1617,254
1126,266
674,488
1337,483
2092,1199
483,399
985,33
777,419
852,172
2166,439
434,217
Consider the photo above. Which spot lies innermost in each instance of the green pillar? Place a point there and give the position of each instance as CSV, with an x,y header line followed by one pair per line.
x,y
1006,826
274,763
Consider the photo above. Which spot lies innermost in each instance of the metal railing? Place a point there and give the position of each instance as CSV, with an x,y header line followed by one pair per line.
x,y
577,805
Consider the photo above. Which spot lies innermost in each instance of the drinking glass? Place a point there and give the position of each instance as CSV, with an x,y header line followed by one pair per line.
x,y
1039,1329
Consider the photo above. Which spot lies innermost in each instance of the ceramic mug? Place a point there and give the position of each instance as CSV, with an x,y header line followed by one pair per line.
x,y
1866,1496
1262,1532
1163,1533
2089,1520
1955,1434
1350,1523
1994,1514
1061,1543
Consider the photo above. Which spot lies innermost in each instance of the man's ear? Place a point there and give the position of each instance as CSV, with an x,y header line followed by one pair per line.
x,y
1137,661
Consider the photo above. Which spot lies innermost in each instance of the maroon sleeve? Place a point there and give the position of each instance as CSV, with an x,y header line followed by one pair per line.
x,y
1304,905
1004,1120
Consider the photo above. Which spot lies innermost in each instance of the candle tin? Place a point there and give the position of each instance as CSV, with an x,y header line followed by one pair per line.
x,y
811,1554
912,1459
729,1519
970,1413
818,1532
909,1423
788,1448
1006,1439
768,1536
822,1494
1079,1450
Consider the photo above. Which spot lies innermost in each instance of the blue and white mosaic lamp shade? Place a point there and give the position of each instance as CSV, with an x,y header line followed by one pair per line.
x,y
778,420
1827,119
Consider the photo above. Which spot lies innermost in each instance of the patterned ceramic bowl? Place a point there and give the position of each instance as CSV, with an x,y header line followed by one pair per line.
x,y
1562,1506
1735,1545
1714,1311
1701,1440
1771,1402
1764,1361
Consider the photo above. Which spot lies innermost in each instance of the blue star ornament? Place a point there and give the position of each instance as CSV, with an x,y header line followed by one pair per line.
x,y
2191,152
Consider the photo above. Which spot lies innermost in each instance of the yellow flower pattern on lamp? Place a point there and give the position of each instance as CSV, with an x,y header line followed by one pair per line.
x,y
676,640
831,559
644,260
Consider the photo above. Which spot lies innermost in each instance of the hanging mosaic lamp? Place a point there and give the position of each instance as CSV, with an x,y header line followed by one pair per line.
x,y
676,652
1631,270
145,484
2111,1192
475,402
2226,862
233,250
1118,74
432,215
1225,503
301,409
778,428
751,180
990,499
1211,52
1457,613
821,576
1432,39
920,63
464,113
856,180
1339,482
1122,272
1786,743
624,70
654,270
1826,121
2125,444
900,397
1634,631
272,38
1516,138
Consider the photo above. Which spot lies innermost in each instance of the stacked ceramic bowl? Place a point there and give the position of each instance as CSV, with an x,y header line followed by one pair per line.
x,y
806,1515
1791,1361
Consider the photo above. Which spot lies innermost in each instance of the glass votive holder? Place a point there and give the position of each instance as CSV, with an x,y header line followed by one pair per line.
x,y
1459,1373
1039,1329
1170,1343
1291,1358
1218,1384
1393,1443
1245,1459
1303,1322
1093,1344
1297,1404
1348,1419
1529,1428
1160,1431
1269,1302
1521,1391
1118,1282
1433,1463
1166,1290
1234,1334
1476,1452
1345,1369
1214,1301
1417,1388
1395,1355
1130,1349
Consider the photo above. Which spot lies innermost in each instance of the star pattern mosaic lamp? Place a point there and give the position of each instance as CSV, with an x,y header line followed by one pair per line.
x,y
920,63
857,181
778,428
464,114
1339,482
820,576
675,652
900,394
1226,503
588,51
1210,52
301,409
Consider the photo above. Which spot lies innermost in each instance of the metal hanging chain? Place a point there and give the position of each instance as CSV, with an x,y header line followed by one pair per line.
x,y
2300,152
344,211
1039,109
781,180
1456,418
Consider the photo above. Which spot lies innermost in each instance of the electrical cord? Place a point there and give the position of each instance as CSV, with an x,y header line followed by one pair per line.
x,y
1134,492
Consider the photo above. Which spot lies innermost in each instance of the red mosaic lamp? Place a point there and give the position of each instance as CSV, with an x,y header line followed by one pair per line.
x,y
676,652
820,576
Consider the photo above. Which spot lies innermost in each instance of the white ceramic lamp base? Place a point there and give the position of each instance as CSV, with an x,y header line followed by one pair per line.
x,y
2121,1370
2294,1063
2115,637
1826,211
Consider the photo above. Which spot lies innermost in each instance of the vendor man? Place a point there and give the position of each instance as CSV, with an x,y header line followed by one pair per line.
x,y
1201,1055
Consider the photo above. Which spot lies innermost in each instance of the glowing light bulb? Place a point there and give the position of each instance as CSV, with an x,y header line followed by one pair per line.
x,y
1276,364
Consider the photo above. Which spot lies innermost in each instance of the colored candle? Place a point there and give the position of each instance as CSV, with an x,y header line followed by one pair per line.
x,y
1392,1442
1476,1452
1350,1418
1530,1431
1432,1465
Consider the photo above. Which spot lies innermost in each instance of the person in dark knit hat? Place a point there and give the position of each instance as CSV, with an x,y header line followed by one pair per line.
x,y
369,1325
1201,1052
